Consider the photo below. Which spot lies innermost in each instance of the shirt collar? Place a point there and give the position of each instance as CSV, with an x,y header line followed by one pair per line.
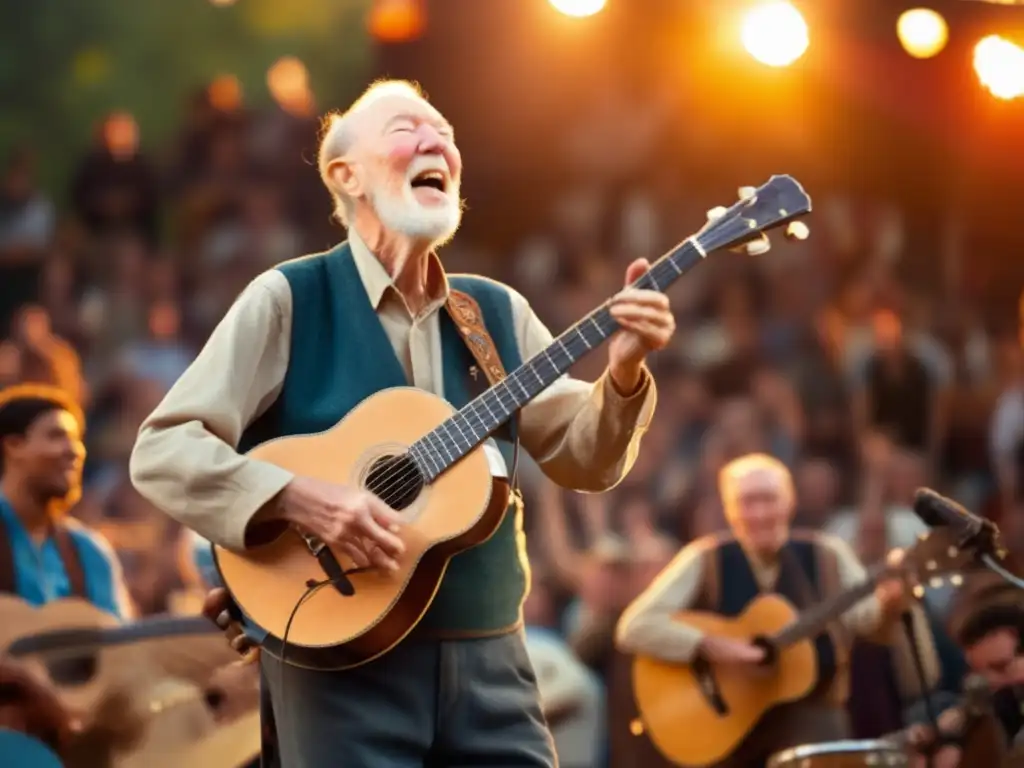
x,y
377,281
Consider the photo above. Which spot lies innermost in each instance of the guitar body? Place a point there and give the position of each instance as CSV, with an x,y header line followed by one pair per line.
x,y
460,509
17,749
233,745
182,730
678,717
82,677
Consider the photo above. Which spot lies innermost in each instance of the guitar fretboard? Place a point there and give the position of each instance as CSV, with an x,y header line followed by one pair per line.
x,y
58,640
813,621
465,430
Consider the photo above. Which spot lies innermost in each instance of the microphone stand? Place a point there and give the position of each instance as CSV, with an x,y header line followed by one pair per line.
x,y
980,535
993,565
922,677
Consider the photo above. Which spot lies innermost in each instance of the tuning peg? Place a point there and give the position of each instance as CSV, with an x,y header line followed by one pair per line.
x,y
747,193
758,247
716,213
797,230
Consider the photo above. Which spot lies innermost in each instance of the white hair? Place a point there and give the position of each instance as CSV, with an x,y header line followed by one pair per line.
x,y
336,135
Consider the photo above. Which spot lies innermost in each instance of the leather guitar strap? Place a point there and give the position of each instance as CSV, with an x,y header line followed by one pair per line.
x,y
68,554
8,583
465,313
69,557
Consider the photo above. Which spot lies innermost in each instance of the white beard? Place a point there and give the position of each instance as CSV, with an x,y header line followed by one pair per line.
x,y
436,224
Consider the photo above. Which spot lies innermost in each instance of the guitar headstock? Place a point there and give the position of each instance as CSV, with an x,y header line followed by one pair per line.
x,y
936,554
778,202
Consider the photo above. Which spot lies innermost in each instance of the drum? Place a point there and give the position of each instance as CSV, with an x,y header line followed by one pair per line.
x,y
841,754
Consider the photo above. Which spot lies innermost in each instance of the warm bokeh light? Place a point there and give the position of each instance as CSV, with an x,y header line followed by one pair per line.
x,y
121,135
999,65
397,21
225,93
222,2
775,34
288,82
923,33
578,8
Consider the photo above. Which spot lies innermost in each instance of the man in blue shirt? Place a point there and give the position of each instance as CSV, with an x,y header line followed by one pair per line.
x,y
43,555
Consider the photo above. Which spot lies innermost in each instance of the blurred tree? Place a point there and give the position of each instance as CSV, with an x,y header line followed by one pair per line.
x,y
63,65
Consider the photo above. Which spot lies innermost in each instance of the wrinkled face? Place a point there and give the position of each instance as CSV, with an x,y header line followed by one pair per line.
x,y
404,163
759,506
50,454
995,657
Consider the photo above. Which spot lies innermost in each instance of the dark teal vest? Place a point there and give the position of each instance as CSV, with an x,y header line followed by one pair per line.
x,y
738,587
340,355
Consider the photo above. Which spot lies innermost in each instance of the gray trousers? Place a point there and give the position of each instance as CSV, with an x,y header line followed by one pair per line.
x,y
425,704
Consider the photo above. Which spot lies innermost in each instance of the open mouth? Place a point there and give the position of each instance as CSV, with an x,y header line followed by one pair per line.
x,y
432,179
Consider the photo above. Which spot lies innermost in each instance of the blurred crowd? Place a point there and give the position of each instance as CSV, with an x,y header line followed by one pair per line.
x,y
824,354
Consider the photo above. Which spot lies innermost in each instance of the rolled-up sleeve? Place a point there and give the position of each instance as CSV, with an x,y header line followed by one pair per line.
x,y
583,435
185,459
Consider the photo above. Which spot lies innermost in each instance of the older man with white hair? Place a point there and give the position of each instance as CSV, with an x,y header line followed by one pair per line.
x,y
302,346
761,554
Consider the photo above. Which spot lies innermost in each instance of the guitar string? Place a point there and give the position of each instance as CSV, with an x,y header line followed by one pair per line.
x,y
408,476
396,481
575,346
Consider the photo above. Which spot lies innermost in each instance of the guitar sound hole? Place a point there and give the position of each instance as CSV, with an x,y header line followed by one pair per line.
x,y
395,479
72,671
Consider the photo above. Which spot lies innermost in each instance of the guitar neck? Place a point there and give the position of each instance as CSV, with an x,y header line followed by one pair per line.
x,y
60,640
813,621
444,446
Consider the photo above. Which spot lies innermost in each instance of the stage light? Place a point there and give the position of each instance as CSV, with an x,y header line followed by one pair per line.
x,y
775,34
923,33
578,8
999,65
397,21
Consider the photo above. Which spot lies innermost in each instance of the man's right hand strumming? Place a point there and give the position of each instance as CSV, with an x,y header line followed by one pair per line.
x,y
726,650
355,521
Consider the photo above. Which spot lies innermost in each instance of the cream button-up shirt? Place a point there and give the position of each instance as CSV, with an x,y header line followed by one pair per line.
x,y
584,436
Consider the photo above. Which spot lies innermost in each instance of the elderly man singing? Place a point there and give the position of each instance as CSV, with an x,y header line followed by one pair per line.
x,y
293,356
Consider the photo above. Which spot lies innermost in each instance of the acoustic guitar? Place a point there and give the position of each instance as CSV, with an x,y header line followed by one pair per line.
x,y
233,745
425,460
699,714
72,645
183,732
230,746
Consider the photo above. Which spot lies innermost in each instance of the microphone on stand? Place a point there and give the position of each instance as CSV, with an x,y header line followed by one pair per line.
x,y
977,533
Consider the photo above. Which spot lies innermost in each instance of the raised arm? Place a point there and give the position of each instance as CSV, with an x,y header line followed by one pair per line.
x,y
584,435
